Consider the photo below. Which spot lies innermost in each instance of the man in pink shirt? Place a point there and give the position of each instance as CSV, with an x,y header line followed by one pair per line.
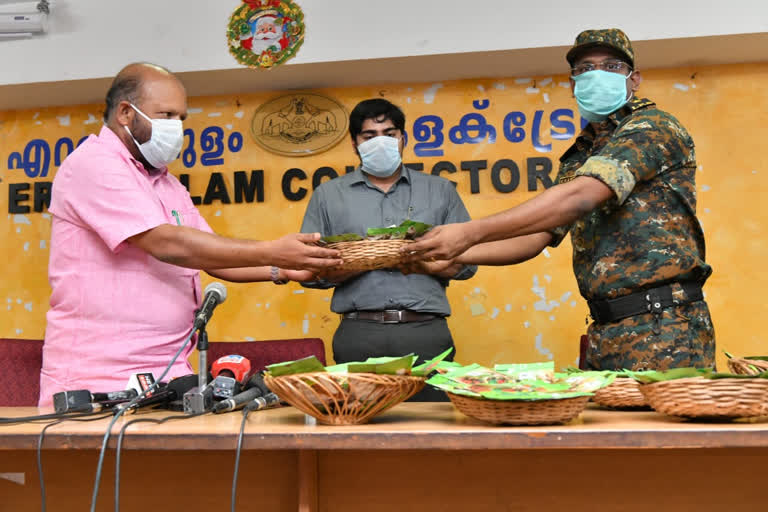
x,y
127,245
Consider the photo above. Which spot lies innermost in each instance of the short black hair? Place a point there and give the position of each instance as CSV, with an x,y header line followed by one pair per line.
x,y
123,88
374,109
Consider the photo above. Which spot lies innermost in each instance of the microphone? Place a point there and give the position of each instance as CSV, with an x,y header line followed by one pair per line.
x,y
174,390
263,402
215,294
80,399
228,374
254,388
231,366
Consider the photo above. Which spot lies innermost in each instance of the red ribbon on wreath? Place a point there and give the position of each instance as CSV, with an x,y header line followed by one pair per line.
x,y
257,4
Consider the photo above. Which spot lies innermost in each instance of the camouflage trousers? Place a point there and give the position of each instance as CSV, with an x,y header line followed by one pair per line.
x,y
685,337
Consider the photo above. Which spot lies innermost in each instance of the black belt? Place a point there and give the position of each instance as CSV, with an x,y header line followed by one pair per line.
x,y
390,316
653,300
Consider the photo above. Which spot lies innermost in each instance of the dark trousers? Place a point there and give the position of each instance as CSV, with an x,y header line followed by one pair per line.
x,y
357,340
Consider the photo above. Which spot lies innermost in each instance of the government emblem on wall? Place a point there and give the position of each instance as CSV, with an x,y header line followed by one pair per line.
x,y
265,33
299,124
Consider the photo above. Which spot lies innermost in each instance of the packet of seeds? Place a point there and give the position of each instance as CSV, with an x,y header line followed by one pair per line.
x,y
476,374
305,365
529,371
587,382
440,381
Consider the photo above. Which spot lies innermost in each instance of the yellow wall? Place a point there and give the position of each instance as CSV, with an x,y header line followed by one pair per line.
x,y
516,314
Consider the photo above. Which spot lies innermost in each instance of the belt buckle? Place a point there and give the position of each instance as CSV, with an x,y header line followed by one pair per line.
x,y
392,316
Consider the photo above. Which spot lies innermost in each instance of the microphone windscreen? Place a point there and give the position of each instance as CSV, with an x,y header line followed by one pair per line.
x,y
183,384
218,289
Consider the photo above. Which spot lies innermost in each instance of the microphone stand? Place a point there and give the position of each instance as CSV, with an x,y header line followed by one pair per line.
x,y
202,350
200,399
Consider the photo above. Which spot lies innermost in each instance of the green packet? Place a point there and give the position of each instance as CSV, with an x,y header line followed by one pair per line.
x,y
528,371
586,381
478,374
519,390
305,365
436,363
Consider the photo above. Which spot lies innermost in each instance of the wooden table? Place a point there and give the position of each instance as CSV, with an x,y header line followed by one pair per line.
x,y
414,457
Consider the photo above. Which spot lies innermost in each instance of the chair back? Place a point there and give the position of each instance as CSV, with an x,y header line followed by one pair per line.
x,y
20,363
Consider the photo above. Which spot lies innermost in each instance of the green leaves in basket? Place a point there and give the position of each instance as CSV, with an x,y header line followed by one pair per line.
x,y
722,375
648,377
384,365
407,230
305,365
346,237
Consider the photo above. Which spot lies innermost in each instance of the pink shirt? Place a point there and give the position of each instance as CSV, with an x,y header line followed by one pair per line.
x,y
114,309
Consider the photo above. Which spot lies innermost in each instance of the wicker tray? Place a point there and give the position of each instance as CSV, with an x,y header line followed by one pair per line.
x,y
326,396
747,366
623,393
696,397
520,412
365,255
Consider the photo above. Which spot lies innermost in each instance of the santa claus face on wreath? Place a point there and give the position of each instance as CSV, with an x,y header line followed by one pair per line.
x,y
267,33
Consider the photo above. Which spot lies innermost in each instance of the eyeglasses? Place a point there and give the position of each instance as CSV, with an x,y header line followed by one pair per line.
x,y
612,66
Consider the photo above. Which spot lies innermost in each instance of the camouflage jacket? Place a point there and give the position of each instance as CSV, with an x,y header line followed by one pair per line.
x,y
648,234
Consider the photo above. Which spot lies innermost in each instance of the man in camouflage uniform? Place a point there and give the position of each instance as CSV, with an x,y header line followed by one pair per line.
x,y
626,192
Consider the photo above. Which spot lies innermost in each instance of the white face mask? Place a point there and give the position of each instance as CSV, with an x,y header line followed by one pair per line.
x,y
164,144
380,156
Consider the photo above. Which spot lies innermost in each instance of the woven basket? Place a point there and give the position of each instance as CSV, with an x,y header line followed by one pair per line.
x,y
747,366
623,393
344,399
697,397
520,412
365,255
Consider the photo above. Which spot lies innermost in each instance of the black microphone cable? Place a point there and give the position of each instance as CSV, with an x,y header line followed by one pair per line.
x,y
122,410
259,403
246,411
48,417
94,417
120,444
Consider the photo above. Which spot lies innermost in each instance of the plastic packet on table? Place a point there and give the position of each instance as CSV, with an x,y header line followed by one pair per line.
x,y
477,374
587,382
529,371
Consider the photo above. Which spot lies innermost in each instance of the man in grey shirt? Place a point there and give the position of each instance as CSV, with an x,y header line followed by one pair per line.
x,y
389,312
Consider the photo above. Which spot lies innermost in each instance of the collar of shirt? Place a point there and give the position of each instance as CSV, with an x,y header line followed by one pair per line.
x,y
358,176
112,142
587,136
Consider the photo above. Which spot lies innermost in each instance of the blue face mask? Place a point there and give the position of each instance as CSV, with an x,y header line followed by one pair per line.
x,y
600,93
380,156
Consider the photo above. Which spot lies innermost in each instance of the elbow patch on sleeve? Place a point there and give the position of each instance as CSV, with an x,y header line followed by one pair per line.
x,y
615,174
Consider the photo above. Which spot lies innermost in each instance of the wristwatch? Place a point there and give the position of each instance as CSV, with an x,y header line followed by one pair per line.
x,y
274,273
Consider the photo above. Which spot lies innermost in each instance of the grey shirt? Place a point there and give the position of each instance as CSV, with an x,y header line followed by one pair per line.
x,y
351,204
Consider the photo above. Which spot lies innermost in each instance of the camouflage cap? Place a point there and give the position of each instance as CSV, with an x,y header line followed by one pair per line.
x,y
612,38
